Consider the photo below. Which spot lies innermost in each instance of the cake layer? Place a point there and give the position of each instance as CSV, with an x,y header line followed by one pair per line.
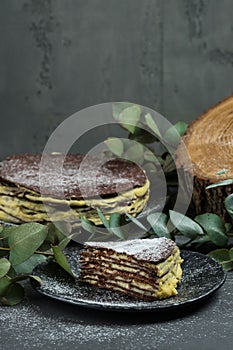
x,y
110,190
143,268
96,176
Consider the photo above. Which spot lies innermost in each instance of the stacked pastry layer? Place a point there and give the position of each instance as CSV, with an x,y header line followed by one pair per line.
x,y
86,183
147,269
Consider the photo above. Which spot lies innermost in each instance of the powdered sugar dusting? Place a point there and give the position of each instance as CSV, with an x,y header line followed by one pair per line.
x,y
39,323
152,250
91,175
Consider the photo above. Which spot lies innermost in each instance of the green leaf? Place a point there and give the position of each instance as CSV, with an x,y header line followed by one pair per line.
x,y
61,259
28,265
130,117
135,153
118,107
115,145
228,226
231,253
142,135
214,227
185,225
221,183
152,125
150,168
5,266
136,222
115,222
228,265
4,284
169,164
58,231
13,295
199,240
174,133
36,279
149,156
88,225
223,171
24,240
229,204
220,255
62,244
158,222
103,218
7,230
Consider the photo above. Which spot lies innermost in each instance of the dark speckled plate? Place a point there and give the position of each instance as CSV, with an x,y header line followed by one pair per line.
x,y
201,277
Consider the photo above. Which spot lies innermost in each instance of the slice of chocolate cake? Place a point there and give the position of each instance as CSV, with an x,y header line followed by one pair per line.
x,y
147,269
114,185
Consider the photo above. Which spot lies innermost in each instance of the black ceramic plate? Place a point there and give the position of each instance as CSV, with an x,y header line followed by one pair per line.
x,y
201,277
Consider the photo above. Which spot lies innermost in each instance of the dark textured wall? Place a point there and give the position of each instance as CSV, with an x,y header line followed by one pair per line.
x,y
59,56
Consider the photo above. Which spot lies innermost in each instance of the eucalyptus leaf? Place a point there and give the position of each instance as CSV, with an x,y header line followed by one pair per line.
x,y
185,225
115,145
118,107
214,227
24,241
150,168
149,155
227,265
13,295
152,125
199,240
158,222
136,221
220,183
220,255
229,204
7,230
222,171
62,244
61,259
231,253
103,218
174,133
4,284
115,222
142,135
36,279
28,265
169,164
130,117
5,266
88,225
57,232
223,257
135,153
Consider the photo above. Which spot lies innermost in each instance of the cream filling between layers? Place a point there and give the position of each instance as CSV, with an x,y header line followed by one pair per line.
x,y
18,204
165,286
123,261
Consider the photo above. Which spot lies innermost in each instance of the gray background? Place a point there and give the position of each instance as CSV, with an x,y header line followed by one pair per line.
x,y
59,56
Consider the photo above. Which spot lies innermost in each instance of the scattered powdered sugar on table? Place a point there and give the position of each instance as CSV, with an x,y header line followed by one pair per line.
x,y
33,327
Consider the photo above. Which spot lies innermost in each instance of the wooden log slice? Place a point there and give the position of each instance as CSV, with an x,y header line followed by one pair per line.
x,y
209,142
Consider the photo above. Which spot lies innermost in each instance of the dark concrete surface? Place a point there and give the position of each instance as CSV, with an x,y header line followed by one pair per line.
x,y
42,323
57,57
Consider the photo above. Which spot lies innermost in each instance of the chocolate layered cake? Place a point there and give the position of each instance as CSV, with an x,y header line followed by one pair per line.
x,y
147,269
114,185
